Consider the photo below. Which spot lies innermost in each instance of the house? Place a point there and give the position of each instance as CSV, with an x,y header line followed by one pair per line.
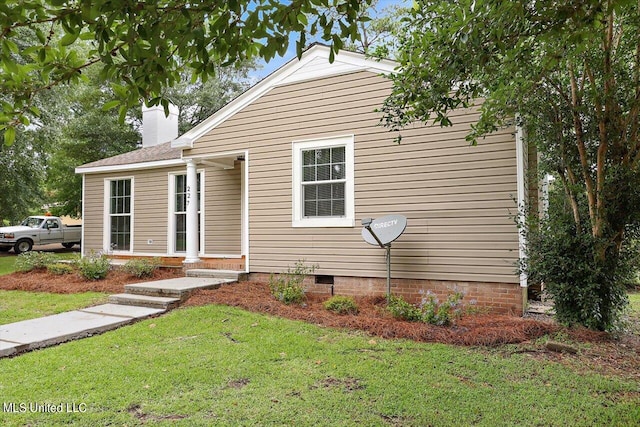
x,y
286,172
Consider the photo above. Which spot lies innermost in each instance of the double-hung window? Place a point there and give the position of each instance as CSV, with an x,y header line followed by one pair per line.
x,y
323,182
119,214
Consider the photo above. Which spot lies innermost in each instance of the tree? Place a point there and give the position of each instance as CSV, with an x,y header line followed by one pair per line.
x,y
142,47
571,70
86,135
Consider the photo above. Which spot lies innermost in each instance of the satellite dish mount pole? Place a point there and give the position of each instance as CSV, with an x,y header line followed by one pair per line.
x,y
367,224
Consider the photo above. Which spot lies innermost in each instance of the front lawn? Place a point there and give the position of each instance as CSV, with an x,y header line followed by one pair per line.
x,y
7,264
218,365
20,305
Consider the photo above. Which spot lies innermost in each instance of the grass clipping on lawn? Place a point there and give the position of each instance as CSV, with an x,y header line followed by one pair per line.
x,y
473,329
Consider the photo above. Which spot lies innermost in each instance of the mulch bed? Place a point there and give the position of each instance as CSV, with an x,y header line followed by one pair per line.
x,y
476,329
42,281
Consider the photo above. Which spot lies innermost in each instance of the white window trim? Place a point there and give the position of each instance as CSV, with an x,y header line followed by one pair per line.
x,y
106,230
298,220
171,236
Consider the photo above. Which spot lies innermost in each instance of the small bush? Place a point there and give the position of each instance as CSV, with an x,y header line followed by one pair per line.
x,y
59,269
430,310
141,267
401,309
287,287
341,305
94,266
28,261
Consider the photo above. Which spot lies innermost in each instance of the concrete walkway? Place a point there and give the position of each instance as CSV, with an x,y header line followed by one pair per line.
x,y
139,301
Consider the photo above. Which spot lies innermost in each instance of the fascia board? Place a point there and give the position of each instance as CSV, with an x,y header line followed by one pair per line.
x,y
130,167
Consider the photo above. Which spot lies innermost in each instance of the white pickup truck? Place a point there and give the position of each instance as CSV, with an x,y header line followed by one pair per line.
x,y
39,230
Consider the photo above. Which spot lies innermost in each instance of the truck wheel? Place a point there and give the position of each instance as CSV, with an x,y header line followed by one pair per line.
x,y
68,245
23,245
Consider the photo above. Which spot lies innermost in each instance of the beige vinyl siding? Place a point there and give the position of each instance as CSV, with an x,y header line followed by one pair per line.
x,y
223,211
459,199
93,213
151,210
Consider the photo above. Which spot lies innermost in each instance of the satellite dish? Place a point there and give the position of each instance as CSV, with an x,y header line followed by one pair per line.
x,y
381,232
387,229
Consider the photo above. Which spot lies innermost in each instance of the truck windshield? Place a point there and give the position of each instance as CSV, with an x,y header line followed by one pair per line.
x,y
32,222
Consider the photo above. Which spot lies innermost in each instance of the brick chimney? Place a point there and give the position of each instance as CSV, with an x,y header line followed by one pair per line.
x,y
158,128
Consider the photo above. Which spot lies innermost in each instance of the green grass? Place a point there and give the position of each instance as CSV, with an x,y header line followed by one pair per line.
x,y
217,365
19,305
634,304
7,263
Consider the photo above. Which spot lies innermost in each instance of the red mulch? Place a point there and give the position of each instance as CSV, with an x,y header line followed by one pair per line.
x,y
42,281
480,329
477,329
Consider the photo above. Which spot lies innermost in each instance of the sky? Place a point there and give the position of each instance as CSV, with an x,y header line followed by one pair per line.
x,y
277,62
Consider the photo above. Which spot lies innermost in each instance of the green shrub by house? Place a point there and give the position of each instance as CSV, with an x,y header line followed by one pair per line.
x,y
287,287
28,261
141,267
94,266
341,305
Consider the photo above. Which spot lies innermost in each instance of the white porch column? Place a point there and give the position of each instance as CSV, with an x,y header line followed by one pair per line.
x,y
193,236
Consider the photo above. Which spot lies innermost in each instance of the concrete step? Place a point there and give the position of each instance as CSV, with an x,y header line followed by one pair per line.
x,y
218,274
165,303
175,288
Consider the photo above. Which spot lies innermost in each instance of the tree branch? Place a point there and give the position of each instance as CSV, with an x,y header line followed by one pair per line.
x,y
582,150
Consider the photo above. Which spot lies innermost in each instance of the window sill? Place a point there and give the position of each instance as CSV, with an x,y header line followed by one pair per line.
x,y
323,222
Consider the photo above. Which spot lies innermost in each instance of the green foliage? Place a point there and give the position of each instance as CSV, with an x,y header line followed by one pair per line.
x,y
34,260
94,266
131,44
288,287
585,289
141,267
430,310
341,305
401,309
59,269
569,74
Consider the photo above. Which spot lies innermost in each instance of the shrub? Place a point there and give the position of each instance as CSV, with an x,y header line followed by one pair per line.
x,y
341,305
287,287
430,310
586,288
141,267
28,261
59,269
94,266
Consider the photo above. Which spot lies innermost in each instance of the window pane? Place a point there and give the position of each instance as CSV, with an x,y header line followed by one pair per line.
x,y
337,208
309,173
324,191
309,157
323,156
324,207
337,155
310,208
181,232
337,171
324,173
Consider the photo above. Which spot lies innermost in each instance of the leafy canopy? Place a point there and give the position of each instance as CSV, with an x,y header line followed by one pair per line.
x,y
142,46
571,71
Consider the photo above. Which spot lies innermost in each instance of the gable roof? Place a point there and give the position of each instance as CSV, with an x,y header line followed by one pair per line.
x,y
156,156
313,64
